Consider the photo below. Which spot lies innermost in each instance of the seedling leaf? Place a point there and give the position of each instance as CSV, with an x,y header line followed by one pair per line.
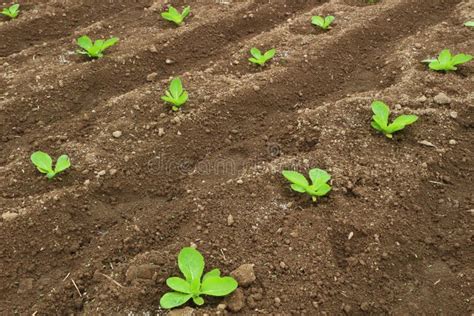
x,y
296,178
62,163
447,62
300,184
469,23
217,286
94,49
174,16
380,119
42,161
191,264
174,299
322,22
12,11
179,285
176,95
259,58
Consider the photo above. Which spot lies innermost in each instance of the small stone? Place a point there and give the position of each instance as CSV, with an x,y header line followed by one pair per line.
x,y
236,301
152,76
153,49
169,61
347,308
221,307
453,114
230,220
426,143
398,106
277,301
256,88
422,99
245,274
101,173
117,134
418,45
187,311
365,306
442,98
240,181
8,216
161,131
112,171
452,142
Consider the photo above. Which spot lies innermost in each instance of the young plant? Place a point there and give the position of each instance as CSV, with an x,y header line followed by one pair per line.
x,y
260,59
447,62
318,187
44,164
191,264
173,15
322,22
469,23
96,49
12,11
380,119
176,95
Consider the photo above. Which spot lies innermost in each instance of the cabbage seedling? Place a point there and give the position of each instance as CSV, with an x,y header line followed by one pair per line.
x,y
173,15
322,22
44,163
380,119
191,264
260,59
12,11
176,95
96,49
447,62
469,23
319,179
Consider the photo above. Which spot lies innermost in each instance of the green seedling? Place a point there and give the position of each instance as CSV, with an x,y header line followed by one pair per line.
x,y
96,49
173,15
191,264
447,62
319,179
380,119
12,12
322,22
176,95
469,23
44,163
260,59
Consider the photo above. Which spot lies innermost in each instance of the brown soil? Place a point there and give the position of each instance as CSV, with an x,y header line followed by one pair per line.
x,y
393,237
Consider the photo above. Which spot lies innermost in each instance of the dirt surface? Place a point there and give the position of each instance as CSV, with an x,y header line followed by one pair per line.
x,y
393,237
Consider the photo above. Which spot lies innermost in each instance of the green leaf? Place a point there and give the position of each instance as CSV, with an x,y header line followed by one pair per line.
x,y
174,299
376,126
256,53
319,176
445,57
217,286
318,21
176,88
461,59
186,12
255,61
400,122
469,23
172,10
191,264
167,99
328,20
179,285
212,273
381,112
198,300
84,42
14,8
436,65
182,99
167,16
110,42
269,54
295,178
42,161
62,164
322,189
298,188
